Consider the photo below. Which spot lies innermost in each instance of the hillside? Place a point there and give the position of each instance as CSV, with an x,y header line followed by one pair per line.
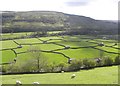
x,y
31,21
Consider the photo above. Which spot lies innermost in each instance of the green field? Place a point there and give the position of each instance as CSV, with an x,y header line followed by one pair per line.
x,y
79,47
23,34
105,75
56,50
15,35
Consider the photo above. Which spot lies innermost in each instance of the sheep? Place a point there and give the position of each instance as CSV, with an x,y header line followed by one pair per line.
x,y
18,82
69,60
67,47
98,60
62,71
35,82
73,76
20,46
101,44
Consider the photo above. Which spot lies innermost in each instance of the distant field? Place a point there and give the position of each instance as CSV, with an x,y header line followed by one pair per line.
x,y
79,47
105,75
16,35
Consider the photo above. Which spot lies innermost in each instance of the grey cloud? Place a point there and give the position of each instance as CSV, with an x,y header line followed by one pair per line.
x,y
77,2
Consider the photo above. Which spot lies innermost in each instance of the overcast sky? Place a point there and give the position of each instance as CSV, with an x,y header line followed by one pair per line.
x,y
97,9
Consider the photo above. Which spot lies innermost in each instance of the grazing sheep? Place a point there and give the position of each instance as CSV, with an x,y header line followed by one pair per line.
x,y
73,76
20,46
18,83
67,47
101,44
62,71
98,60
35,82
69,60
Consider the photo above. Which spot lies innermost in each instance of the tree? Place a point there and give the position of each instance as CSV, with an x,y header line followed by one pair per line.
x,y
108,61
40,60
61,66
117,60
88,63
75,65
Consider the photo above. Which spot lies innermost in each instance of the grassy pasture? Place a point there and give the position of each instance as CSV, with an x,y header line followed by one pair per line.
x,y
51,57
14,35
72,41
58,44
29,40
7,56
7,44
77,44
21,34
105,75
108,49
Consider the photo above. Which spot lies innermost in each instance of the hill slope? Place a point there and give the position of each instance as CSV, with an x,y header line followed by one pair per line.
x,y
54,21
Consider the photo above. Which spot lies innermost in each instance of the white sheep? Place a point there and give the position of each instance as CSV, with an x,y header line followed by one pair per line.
x,y
35,82
67,47
62,71
18,82
73,76
101,44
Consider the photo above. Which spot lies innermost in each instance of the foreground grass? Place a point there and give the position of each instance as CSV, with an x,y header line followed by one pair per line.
x,y
105,75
